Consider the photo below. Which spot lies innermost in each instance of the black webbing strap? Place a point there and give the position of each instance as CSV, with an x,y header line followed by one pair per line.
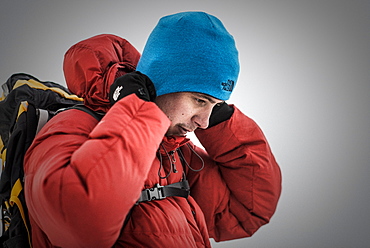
x,y
159,192
95,114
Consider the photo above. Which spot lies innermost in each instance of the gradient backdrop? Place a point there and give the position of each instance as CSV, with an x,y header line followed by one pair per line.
x,y
305,79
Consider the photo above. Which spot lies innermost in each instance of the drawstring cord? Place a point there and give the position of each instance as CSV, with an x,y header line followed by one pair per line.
x,y
183,159
173,161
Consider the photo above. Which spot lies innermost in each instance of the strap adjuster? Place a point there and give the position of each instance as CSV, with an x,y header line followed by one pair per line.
x,y
155,193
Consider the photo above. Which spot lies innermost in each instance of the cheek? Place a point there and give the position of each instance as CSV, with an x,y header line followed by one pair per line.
x,y
178,112
180,117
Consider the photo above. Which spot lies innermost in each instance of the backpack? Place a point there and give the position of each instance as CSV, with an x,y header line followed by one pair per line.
x,y
26,105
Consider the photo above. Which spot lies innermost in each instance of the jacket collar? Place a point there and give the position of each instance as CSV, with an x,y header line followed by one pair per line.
x,y
171,143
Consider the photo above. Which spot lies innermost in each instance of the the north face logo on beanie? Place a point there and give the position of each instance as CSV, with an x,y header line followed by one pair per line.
x,y
228,85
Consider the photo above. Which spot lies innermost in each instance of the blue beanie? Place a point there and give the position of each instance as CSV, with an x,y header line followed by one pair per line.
x,y
193,52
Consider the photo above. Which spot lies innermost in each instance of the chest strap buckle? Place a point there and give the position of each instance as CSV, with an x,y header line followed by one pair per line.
x,y
155,193
159,192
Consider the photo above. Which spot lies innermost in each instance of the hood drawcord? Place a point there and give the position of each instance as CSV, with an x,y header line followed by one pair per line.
x,y
171,158
186,163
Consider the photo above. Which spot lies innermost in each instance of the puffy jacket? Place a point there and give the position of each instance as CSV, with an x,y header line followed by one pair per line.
x,y
83,177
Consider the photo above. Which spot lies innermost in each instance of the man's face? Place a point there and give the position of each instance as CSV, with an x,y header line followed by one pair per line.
x,y
187,111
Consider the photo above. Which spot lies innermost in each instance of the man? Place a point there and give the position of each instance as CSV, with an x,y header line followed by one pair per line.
x,y
134,179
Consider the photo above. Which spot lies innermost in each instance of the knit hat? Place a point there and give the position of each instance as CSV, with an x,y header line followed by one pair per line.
x,y
193,52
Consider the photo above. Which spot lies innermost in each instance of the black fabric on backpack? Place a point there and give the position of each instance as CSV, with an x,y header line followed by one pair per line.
x,y
27,103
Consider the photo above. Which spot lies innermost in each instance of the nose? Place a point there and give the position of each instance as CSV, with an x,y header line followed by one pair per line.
x,y
202,119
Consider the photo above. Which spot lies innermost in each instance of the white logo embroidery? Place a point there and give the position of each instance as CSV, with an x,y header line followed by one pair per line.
x,y
117,92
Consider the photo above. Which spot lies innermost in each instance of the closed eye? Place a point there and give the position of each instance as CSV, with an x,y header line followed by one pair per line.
x,y
200,101
203,99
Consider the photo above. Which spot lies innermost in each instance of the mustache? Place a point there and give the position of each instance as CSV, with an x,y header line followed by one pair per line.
x,y
189,128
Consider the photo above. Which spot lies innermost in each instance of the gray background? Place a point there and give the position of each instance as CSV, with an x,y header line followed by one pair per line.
x,y
305,79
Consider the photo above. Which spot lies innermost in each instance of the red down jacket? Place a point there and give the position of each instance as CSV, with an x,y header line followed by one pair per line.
x,y
83,177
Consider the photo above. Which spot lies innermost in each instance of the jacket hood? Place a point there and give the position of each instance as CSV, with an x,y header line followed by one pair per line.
x,y
91,66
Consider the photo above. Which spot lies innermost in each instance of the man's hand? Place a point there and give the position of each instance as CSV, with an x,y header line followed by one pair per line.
x,y
133,82
221,112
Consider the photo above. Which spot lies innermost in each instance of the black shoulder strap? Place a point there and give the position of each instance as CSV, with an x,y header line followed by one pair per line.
x,y
96,115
